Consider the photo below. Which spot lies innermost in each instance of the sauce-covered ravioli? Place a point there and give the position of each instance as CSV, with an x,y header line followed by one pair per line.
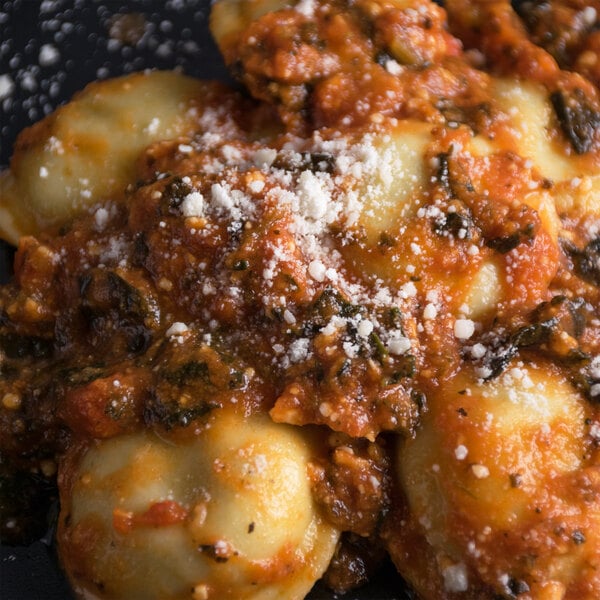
x,y
420,223
502,482
227,514
86,151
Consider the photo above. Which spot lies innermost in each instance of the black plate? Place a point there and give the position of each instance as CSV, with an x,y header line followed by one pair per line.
x,y
49,49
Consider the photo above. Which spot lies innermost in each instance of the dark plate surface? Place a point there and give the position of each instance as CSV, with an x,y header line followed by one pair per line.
x,y
49,49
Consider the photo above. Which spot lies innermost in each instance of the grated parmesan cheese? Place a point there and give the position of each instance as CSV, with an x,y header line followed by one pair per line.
x,y
456,578
193,205
460,452
177,329
464,328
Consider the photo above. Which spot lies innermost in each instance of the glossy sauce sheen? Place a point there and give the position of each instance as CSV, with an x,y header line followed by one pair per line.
x,y
391,251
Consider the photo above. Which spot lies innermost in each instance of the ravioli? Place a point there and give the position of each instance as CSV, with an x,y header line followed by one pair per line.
x,y
85,152
227,514
494,475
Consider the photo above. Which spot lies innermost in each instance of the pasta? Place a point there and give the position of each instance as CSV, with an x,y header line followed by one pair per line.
x,y
85,151
244,484
268,341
